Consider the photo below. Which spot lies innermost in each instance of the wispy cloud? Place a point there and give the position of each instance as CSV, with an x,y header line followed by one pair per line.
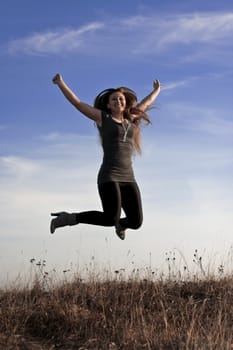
x,y
196,28
188,81
210,121
175,84
216,125
139,35
54,42
17,167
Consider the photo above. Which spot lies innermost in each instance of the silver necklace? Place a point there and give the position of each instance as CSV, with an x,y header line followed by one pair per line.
x,y
126,129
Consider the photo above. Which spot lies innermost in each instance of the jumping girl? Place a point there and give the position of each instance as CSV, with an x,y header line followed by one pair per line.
x,y
118,117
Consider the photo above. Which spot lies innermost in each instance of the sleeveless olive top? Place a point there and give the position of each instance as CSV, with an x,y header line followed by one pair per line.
x,y
117,143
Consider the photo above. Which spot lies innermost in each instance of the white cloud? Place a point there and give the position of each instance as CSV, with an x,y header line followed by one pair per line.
x,y
140,35
202,119
172,85
54,42
18,167
199,28
216,126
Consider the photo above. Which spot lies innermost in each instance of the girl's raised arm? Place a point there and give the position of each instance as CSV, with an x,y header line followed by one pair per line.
x,y
149,99
84,108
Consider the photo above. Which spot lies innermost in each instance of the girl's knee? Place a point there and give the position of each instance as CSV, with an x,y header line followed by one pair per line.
x,y
136,224
110,220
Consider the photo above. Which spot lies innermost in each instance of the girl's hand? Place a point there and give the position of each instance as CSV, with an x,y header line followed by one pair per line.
x,y
156,84
57,79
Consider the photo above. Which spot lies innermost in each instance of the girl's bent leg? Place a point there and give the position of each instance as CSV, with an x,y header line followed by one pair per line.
x,y
111,202
132,205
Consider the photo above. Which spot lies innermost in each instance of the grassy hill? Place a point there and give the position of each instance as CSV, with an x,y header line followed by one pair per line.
x,y
133,313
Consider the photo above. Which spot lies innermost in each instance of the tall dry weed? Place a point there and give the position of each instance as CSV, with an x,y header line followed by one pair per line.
x,y
119,314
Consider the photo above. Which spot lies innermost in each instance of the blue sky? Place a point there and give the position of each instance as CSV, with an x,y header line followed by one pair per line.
x,y
50,154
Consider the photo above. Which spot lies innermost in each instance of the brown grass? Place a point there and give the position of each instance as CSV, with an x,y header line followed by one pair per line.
x,y
133,313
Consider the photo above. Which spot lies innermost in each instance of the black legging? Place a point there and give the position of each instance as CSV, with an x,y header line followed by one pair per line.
x,y
114,196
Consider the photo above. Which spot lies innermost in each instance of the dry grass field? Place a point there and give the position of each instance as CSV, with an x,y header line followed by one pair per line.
x,y
130,313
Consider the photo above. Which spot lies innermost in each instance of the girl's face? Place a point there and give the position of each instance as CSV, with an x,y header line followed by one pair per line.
x,y
117,102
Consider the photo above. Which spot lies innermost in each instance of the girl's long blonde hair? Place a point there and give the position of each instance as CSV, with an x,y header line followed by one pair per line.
x,y
101,102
